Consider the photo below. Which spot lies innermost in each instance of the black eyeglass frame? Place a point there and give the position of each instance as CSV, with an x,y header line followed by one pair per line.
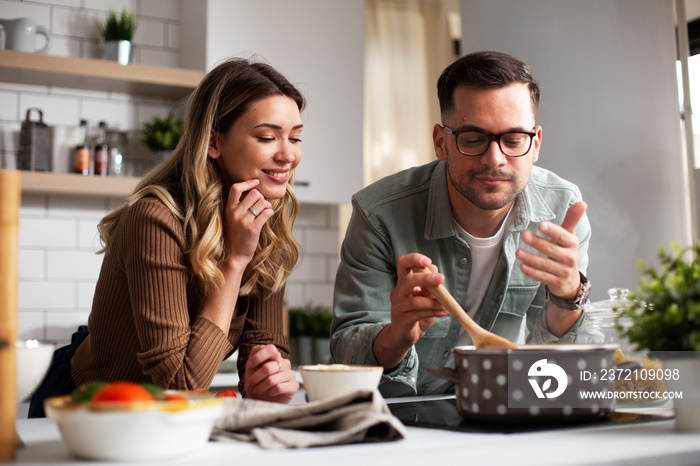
x,y
490,137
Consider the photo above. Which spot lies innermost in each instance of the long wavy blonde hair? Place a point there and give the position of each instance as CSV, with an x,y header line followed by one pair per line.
x,y
189,182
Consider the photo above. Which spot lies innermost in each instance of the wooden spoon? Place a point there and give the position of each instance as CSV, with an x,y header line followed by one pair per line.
x,y
481,337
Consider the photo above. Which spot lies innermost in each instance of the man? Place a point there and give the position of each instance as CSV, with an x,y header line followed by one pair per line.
x,y
509,240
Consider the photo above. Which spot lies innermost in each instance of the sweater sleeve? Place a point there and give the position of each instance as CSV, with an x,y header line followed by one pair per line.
x,y
261,324
178,349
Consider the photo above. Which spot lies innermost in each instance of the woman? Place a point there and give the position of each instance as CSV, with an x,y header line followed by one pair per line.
x,y
197,258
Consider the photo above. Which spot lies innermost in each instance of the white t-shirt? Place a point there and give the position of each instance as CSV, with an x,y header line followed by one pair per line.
x,y
485,254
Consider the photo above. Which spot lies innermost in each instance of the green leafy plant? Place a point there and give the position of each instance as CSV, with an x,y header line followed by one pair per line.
x,y
665,311
118,27
309,320
162,134
297,322
320,321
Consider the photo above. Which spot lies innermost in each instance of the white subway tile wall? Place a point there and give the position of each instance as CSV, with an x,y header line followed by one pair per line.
x,y
58,264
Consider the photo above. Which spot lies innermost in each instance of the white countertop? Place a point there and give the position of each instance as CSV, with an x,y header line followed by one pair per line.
x,y
631,444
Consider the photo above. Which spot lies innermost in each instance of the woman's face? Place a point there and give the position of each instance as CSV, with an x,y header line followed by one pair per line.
x,y
263,143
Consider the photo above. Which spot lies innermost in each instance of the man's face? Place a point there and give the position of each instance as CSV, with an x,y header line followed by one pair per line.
x,y
490,181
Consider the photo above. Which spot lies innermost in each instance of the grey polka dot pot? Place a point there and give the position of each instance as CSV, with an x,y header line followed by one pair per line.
x,y
534,382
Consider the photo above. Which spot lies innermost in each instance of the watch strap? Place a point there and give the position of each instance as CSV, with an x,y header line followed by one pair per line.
x,y
576,303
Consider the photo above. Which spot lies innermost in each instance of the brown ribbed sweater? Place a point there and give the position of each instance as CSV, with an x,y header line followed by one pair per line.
x,y
144,325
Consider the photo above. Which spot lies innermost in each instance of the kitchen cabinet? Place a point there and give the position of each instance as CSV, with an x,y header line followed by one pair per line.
x,y
98,75
319,47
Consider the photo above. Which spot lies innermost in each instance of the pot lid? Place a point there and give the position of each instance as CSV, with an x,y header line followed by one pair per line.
x,y
617,300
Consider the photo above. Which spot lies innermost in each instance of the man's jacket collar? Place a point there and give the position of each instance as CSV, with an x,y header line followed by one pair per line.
x,y
531,207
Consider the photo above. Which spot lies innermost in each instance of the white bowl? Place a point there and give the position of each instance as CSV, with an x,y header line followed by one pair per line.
x,y
33,359
323,381
152,431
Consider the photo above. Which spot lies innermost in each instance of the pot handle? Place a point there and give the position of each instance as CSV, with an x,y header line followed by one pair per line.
x,y
444,373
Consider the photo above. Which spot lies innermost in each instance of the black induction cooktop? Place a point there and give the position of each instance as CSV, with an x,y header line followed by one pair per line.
x,y
442,414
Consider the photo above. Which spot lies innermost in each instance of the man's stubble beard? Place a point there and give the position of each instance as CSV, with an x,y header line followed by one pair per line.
x,y
482,200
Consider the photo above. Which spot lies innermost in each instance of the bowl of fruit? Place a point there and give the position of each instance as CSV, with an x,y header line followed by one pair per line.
x,y
124,421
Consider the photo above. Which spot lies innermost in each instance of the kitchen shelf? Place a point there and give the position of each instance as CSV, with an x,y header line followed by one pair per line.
x,y
76,184
95,74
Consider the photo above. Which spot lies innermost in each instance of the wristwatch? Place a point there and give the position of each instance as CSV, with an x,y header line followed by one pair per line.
x,y
575,304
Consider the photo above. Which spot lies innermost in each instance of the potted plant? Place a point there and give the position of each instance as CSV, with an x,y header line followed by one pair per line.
x,y
117,32
665,311
309,334
300,339
161,135
320,318
663,317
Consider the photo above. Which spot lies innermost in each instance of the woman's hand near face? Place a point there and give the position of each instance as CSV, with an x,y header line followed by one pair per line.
x,y
246,213
268,376
241,236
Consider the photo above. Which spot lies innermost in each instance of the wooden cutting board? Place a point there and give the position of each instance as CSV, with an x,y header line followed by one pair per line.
x,y
10,198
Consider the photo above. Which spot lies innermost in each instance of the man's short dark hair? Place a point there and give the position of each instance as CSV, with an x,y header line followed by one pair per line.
x,y
485,69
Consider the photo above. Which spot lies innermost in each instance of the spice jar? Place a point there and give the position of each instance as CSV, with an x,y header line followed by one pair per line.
x,y
603,319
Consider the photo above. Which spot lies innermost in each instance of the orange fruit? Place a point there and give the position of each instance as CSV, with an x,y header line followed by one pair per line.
x,y
122,392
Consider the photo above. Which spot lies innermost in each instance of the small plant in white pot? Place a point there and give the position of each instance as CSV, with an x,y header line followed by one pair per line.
x,y
117,33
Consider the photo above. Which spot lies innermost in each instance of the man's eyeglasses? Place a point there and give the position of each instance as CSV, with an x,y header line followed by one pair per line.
x,y
474,143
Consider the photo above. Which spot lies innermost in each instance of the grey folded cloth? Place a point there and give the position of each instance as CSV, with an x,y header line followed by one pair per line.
x,y
361,416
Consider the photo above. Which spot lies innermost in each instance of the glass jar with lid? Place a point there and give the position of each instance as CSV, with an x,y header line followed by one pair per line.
x,y
602,320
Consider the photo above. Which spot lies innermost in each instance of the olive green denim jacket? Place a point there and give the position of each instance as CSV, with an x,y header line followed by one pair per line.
x,y
410,212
